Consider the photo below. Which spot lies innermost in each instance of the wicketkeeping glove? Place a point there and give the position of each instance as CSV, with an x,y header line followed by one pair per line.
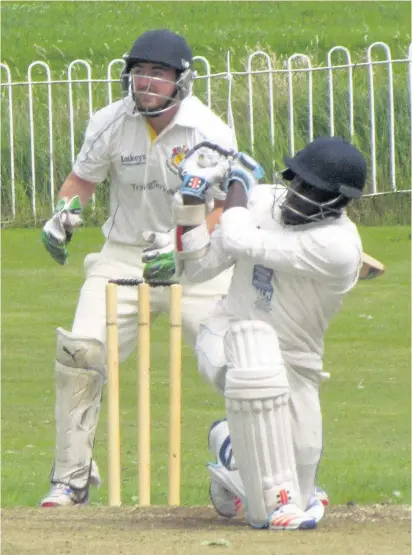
x,y
158,259
58,231
204,169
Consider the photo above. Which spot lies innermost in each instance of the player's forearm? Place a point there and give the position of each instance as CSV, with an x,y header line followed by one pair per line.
x,y
213,218
75,185
236,196
200,254
207,259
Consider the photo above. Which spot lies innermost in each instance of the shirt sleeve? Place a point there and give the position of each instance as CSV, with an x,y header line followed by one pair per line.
x,y
93,160
217,131
213,260
320,253
228,140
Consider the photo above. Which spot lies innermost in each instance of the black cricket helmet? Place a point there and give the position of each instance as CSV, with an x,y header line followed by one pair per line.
x,y
168,49
324,176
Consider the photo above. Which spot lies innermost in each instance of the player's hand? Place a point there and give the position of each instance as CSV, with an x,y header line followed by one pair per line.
x,y
244,169
204,169
58,231
158,258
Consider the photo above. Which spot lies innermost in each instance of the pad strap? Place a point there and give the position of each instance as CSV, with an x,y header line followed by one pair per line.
x,y
196,243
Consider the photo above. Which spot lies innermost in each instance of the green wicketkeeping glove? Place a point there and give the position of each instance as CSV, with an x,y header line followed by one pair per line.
x,y
58,231
158,259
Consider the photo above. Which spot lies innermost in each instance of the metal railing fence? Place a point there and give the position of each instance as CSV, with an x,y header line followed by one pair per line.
x,y
273,109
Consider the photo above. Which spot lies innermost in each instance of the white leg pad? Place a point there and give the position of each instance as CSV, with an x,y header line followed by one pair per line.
x,y
78,396
257,394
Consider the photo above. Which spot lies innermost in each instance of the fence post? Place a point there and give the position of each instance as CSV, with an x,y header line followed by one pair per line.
x,y
32,138
11,138
350,90
310,94
391,114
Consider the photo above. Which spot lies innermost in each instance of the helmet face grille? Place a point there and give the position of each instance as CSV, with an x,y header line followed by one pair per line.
x,y
302,203
182,88
163,47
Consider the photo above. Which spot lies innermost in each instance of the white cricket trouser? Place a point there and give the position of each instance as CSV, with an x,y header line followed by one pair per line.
x,y
119,261
304,403
76,416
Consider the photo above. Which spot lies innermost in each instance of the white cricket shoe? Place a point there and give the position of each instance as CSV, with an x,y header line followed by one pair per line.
x,y
62,495
224,501
290,517
317,503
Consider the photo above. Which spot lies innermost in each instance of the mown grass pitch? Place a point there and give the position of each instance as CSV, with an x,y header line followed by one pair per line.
x,y
374,530
366,404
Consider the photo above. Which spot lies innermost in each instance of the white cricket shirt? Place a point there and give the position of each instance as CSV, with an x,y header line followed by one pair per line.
x,y
293,277
143,170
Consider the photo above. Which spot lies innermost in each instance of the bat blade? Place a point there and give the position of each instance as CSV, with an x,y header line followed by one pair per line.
x,y
371,268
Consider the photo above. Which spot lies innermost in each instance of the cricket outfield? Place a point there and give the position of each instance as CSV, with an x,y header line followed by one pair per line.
x,y
366,410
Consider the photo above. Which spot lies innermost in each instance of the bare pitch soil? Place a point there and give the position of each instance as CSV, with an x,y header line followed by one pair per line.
x,y
372,530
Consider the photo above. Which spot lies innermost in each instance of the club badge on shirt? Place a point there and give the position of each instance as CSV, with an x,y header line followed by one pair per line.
x,y
262,281
176,158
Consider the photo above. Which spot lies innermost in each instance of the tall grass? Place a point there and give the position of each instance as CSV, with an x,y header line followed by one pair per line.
x,y
60,31
268,150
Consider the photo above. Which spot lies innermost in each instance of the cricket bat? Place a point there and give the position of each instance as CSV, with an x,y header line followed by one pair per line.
x,y
371,268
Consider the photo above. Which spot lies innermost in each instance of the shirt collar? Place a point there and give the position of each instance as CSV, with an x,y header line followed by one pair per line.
x,y
186,115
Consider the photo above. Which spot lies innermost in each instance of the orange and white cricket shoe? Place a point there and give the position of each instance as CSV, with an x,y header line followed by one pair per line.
x,y
290,517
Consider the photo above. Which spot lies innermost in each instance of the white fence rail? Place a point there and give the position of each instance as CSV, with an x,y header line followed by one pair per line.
x,y
377,115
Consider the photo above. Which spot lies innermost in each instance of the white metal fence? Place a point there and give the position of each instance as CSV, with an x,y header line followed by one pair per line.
x,y
379,120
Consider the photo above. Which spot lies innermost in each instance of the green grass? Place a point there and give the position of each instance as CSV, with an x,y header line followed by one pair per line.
x,y
59,32
367,401
366,404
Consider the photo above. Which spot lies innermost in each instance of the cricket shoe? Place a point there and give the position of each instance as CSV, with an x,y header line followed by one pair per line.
x,y
224,501
62,495
317,503
290,517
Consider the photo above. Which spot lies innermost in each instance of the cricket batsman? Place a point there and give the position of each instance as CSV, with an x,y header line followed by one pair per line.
x,y
295,254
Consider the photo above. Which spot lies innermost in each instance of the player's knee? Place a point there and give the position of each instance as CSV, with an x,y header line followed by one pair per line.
x,y
252,344
211,361
255,364
80,352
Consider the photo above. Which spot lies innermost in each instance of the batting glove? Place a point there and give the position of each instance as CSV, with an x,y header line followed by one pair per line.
x,y
245,170
205,168
58,231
